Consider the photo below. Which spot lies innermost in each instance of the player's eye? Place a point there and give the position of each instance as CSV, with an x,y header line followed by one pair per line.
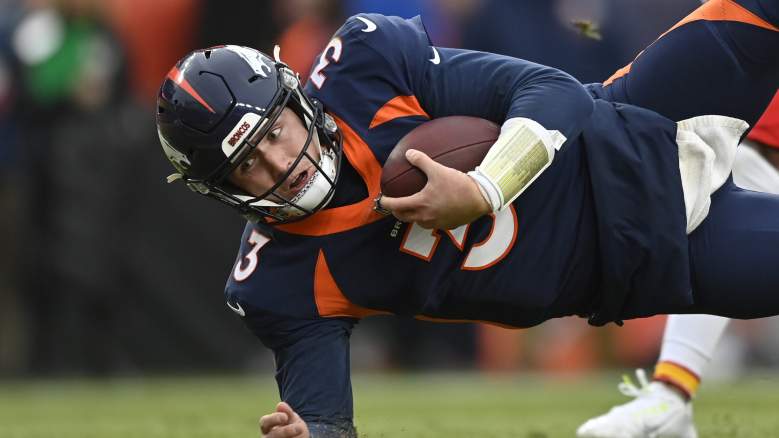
x,y
248,163
274,134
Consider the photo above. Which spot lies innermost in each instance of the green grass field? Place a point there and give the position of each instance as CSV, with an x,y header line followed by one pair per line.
x,y
418,405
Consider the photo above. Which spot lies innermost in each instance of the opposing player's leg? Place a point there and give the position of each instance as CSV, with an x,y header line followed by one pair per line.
x,y
662,408
720,59
688,343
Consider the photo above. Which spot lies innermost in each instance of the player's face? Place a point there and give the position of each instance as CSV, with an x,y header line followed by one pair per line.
x,y
274,155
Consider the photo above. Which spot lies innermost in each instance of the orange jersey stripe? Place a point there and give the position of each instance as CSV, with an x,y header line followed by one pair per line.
x,y
347,217
399,106
713,10
330,301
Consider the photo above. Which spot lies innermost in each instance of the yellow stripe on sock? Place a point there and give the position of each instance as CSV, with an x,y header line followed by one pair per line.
x,y
678,376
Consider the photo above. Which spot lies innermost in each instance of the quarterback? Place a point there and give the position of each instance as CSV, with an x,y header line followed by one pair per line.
x,y
628,213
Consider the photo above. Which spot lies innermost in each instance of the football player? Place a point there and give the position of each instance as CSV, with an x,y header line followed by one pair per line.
x,y
623,213
663,407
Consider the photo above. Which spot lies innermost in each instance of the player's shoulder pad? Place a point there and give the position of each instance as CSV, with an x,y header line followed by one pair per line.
x,y
386,34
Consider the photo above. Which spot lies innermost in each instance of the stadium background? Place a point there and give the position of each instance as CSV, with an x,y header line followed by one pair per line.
x,y
107,271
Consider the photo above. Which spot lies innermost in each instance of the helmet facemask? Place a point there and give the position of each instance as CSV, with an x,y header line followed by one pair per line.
x,y
320,186
271,206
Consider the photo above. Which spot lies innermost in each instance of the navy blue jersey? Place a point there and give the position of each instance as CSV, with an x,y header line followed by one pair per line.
x,y
597,234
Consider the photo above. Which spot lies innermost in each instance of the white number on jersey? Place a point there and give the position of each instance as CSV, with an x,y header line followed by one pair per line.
x,y
422,243
331,53
241,273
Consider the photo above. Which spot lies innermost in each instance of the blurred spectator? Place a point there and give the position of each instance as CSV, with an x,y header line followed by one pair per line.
x,y
10,13
308,26
108,284
155,34
441,17
11,324
242,22
75,143
589,39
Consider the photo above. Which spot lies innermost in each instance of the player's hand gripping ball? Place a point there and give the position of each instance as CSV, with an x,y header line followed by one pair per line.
x,y
423,179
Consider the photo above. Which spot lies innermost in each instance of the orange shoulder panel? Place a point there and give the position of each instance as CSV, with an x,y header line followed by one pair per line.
x,y
330,301
398,106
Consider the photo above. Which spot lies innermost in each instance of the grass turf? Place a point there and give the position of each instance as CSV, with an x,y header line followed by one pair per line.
x,y
416,405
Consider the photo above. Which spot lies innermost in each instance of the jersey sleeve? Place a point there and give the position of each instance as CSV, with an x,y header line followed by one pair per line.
x,y
499,87
312,369
449,81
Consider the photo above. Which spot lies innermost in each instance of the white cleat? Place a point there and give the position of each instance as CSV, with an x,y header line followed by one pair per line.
x,y
657,411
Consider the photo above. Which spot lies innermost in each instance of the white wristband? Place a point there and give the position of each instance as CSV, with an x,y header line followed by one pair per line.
x,y
488,189
519,156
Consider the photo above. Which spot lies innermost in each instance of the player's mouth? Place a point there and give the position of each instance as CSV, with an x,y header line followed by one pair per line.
x,y
300,181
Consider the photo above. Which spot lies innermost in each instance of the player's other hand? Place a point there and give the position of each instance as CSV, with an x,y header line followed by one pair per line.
x,y
284,423
450,199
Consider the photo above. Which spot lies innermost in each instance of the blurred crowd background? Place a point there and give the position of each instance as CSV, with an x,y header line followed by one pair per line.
x,y
107,270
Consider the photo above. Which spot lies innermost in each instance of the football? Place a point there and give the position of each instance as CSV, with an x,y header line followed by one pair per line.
x,y
459,142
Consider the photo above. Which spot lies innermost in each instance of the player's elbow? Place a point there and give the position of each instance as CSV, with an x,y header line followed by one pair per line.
x,y
566,104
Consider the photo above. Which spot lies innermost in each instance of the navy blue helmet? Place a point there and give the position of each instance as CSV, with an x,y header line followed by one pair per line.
x,y
214,107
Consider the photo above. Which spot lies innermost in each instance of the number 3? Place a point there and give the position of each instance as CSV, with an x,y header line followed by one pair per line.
x,y
242,273
317,77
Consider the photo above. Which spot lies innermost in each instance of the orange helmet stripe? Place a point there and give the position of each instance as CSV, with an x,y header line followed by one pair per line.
x,y
177,76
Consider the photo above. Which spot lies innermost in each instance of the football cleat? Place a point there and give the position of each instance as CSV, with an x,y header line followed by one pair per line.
x,y
656,411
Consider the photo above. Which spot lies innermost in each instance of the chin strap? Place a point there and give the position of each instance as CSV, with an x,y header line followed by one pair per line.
x,y
173,177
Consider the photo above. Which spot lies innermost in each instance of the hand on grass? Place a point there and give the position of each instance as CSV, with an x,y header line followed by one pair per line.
x,y
284,423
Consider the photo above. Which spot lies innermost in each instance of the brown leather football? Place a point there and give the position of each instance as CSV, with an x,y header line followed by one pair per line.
x,y
459,142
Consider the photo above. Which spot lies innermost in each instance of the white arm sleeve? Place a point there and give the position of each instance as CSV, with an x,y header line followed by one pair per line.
x,y
523,150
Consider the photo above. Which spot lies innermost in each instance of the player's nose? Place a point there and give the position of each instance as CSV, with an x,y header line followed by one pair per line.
x,y
278,162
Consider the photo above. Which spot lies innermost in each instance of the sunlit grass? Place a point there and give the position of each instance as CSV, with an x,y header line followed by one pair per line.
x,y
414,405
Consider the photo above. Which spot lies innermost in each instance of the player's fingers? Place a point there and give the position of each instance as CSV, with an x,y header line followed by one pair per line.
x,y
405,203
288,431
423,217
268,422
287,409
422,161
